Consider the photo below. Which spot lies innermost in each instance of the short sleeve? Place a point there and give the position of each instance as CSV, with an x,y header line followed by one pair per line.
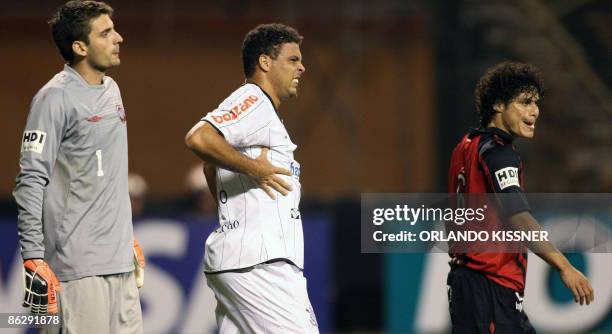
x,y
503,168
243,118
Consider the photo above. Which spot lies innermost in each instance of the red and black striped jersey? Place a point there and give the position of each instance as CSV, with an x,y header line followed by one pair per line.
x,y
485,161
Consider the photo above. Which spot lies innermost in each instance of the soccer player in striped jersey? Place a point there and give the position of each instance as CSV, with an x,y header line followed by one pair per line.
x,y
486,288
254,259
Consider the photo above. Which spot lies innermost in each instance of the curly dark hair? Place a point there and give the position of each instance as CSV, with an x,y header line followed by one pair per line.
x,y
266,39
503,83
72,21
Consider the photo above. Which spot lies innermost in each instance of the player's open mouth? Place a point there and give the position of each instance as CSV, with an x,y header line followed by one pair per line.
x,y
296,81
530,125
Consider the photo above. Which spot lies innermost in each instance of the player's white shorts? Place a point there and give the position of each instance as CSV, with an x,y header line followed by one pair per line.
x,y
269,298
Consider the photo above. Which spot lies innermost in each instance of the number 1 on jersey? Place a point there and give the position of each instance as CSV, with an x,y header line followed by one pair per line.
x,y
99,156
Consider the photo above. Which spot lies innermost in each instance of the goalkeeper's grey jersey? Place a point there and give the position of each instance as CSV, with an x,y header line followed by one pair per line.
x,y
71,192
253,227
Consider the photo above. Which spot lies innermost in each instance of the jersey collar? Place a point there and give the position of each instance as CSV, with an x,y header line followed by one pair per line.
x,y
72,72
495,131
266,94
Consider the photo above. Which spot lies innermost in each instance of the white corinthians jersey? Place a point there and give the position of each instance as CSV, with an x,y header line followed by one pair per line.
x,y
253,227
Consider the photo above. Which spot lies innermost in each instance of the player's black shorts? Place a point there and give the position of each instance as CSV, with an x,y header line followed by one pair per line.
x,y
480,306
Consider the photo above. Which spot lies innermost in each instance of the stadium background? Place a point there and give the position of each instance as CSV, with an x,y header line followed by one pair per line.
x,y
386,95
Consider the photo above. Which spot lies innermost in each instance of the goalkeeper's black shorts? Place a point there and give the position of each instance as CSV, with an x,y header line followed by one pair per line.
x,y
478,305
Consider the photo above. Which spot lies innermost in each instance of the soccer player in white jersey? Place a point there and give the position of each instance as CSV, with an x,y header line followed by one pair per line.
x,y
254,260
75,224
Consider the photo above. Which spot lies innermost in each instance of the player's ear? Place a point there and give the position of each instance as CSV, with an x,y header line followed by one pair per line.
x,y
264,62
498,107
79,48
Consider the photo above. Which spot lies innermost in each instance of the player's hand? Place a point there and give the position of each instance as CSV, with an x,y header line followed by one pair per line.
x,y
579,285
267,178
41,287
139,264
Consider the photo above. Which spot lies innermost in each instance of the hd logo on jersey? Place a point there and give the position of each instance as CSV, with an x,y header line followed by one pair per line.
x,y
236,110
33,141
507,177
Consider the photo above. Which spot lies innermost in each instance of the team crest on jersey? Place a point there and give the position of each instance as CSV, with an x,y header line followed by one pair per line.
x,y
33,141
236,111
507,177
121,112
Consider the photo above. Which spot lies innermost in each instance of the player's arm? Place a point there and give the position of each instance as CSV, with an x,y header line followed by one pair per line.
x,y
573,279
502,165
206,142
40,142
210,173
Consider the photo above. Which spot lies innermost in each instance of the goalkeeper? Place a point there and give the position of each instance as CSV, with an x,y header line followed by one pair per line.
x,y
75,224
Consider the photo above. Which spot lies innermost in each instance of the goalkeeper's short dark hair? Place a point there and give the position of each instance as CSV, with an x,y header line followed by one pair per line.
x,y
502,83
72,22
266,39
